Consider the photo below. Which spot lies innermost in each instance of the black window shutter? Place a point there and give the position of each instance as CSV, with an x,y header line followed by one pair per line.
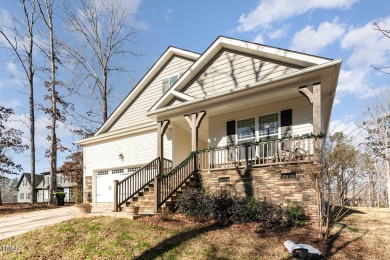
x,y
286,117
286,123
231,127
231,131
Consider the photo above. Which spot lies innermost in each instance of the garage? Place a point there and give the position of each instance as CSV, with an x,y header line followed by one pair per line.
x,y
105,182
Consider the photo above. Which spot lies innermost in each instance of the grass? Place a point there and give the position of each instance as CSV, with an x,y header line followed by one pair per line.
x,y
364,237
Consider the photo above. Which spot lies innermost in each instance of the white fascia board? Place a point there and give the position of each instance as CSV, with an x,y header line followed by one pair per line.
x,y
117,134
273,52
300,59
171,51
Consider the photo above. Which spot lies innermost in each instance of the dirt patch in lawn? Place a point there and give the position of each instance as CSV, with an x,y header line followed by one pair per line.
x,y
15,208
364,236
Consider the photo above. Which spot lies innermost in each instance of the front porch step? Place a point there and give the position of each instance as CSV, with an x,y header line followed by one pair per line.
x,y
145,198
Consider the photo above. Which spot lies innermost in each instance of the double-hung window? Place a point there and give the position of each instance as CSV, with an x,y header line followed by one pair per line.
x,y
268,127
246,130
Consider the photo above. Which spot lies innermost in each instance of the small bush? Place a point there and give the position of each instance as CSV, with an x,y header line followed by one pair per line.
x,y
296,215
221,204
195,203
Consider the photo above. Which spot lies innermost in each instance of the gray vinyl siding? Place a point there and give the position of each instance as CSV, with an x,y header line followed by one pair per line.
x,y
181,144
231,70
302,119
136,112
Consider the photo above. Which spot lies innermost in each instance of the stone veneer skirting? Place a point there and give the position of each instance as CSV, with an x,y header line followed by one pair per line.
x,y
266,183
88,188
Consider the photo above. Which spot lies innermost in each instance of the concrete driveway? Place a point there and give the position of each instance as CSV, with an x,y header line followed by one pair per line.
x,y
21,223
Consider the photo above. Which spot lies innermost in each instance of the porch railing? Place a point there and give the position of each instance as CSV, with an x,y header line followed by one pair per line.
x,y
127,188
167,184
257,154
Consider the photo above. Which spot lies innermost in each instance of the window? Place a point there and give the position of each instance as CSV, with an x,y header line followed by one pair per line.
x,y
173,79
21,196
268,125
117,171
133,169
102,173
28,196
246,130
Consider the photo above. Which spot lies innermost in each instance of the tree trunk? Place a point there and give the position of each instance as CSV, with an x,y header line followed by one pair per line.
x,y
1,200
53,147
32,129
104,94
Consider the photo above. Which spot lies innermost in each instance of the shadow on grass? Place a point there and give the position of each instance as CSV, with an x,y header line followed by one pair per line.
x,y
330,245
175,241
346,211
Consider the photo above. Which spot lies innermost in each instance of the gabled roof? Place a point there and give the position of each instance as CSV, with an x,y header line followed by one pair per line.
x,y
268,52
164,58
38,179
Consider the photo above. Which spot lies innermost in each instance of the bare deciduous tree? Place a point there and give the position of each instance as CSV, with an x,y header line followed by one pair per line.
x,y
377,126
20,39
102,28
46,8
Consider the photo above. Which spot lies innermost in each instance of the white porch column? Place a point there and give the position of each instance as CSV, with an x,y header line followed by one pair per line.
x,y
314,97
194,120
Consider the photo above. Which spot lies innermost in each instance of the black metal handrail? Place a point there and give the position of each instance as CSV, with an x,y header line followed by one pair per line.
x,y
127,188
167,184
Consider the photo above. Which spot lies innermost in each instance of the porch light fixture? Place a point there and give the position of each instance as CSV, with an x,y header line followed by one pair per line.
x,y
121,157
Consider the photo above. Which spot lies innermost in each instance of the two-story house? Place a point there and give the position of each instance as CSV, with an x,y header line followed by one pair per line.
x,y
42,181
254,114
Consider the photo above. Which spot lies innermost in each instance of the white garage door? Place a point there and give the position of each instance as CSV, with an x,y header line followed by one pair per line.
x,y
105,183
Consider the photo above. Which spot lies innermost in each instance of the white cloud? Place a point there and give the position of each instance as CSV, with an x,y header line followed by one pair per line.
x,y
11,67
277,34
269,11
259,38
312,41
167,15
368,46
13,103
130,6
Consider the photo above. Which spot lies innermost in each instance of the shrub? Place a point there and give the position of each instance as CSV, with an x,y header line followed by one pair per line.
x,y
196,203
296,215
225,209
222,202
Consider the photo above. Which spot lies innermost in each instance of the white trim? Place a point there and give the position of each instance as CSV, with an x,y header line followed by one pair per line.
x,y
117,134
181,95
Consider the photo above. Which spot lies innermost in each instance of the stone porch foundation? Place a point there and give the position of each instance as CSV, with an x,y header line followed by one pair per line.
x,y
267,183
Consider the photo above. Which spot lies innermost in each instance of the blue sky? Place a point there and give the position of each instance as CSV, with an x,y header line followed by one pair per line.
x,y
329,28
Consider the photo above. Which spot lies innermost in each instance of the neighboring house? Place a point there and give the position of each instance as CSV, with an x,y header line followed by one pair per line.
x,y
24,186
236,92
42,187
